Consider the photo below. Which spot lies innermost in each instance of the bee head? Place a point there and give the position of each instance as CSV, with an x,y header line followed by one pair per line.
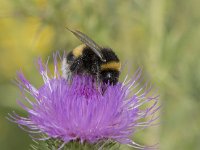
x,y
109,76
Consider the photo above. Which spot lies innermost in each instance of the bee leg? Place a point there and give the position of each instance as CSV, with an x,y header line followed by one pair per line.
x,y
98,80
99,85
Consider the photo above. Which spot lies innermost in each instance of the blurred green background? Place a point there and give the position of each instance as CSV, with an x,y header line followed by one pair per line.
x,y
162,36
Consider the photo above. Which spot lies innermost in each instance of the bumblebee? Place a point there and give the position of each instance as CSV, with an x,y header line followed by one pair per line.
x,y
92,59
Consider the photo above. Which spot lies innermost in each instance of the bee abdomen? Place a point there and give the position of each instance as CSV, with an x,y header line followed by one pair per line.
x,y
112,65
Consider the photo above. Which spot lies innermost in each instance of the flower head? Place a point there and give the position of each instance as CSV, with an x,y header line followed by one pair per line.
x,y
78,110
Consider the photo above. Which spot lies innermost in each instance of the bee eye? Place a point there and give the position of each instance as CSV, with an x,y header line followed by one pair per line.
x,y
70,57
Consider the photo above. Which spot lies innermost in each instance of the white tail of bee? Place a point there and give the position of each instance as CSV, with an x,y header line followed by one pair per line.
x,y
66,73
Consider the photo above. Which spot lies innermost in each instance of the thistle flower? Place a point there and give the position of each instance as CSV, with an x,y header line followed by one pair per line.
x,y
79,111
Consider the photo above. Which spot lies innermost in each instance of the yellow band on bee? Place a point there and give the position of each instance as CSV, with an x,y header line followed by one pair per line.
x,y
111,65
78,50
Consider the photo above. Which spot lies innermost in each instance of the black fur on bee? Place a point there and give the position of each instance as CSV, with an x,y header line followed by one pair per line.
x,y
102,63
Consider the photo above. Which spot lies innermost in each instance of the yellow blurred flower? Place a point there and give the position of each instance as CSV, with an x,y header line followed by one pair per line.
x,y
20,41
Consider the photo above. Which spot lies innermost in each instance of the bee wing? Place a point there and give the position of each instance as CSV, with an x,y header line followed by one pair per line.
x,y
89,42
